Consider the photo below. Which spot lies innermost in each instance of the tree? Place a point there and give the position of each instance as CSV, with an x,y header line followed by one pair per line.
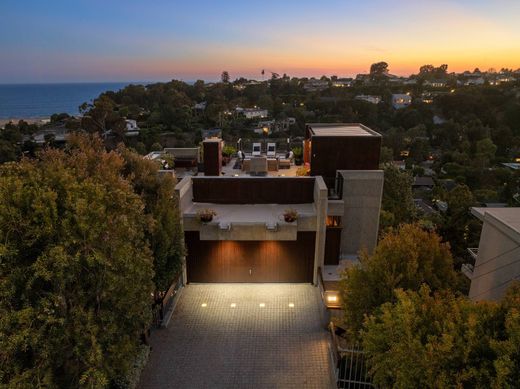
x,y
387,155
442,340
76,271
485,152
507,349
100,117
164,231
378,69
405,258
224,77
426,70
430,71
459,227
397,196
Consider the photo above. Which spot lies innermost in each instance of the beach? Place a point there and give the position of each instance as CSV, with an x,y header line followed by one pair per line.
x,y
38,120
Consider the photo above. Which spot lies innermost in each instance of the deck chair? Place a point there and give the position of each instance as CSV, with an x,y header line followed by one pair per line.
x,y
271,150
257,149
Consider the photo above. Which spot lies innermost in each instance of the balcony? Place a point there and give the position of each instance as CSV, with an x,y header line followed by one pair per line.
x,y
467,270
473,251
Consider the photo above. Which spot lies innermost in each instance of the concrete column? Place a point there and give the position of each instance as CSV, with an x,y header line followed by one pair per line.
x,y
184,193
320,201
362,195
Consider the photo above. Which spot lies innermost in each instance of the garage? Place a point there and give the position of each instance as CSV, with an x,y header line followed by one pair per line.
x,y
250,261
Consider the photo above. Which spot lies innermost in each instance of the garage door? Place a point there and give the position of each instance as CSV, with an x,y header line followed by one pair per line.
x,y
250,261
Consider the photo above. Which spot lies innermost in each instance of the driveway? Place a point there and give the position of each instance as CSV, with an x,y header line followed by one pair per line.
x,y
242,336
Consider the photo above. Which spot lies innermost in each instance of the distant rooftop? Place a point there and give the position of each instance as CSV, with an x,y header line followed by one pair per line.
x,y
341,129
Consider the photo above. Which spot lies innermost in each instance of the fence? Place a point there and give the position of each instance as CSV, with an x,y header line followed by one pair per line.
x,y
350,367
163,310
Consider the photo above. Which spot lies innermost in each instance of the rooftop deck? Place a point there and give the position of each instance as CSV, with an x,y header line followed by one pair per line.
x,y
231,170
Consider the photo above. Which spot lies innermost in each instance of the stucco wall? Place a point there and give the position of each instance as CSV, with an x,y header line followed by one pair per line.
x,y
498,261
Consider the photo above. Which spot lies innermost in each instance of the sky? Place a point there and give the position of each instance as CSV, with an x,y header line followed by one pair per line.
x,y
155,40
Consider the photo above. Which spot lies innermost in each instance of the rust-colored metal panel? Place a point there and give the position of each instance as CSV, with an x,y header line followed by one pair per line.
x,y
329,154
212,158
250,261
248,190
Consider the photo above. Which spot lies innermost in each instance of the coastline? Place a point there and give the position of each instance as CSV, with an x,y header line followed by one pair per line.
x,y
32,120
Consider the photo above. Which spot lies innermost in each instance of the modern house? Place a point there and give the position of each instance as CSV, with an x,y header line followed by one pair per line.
x,y
401,100
435,83
342,83
497,258
249,240
369,98
132,129
314,85
253,113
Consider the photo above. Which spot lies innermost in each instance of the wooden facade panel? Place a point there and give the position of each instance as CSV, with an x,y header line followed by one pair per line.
x,y
265,190
332,245
250,261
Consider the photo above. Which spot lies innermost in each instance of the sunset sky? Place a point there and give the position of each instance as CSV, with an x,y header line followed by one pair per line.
x,y
116,40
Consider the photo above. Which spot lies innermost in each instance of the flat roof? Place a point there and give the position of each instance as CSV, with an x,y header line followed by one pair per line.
x,y
341,129
509,216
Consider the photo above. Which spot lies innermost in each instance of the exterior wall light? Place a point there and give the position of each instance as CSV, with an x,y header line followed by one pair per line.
x,y
332,298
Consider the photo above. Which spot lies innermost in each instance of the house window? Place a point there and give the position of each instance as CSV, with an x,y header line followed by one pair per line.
x,y
333,221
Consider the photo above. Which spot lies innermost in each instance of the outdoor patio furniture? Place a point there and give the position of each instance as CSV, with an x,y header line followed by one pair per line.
x,y
257,149
246,165
272,164
258,166
271,150
285,163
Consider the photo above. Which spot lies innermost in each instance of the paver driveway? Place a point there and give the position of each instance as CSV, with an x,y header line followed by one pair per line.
x,y
272,337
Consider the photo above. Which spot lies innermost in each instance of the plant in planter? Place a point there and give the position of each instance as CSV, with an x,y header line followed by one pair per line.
x,y
298,155
206,215
290,215
227,153
303,171
168,162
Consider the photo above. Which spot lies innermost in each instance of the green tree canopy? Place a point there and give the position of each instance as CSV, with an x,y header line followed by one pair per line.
x,y
75,268
160,205
397,202
405,258
439,340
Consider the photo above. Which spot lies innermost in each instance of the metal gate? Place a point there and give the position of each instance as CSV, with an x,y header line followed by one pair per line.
x,y
350,367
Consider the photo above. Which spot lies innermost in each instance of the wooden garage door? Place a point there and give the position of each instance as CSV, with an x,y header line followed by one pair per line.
x,y
250,261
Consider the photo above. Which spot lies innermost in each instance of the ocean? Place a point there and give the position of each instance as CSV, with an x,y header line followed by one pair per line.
x,y
42,100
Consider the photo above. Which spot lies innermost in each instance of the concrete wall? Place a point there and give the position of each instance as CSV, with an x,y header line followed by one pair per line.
x,y
321,202
184,152
362,194
184,193
498,260
257,230
184,190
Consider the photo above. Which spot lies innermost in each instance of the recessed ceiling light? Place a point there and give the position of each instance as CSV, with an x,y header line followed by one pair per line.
x,y
291,305
203,305
233,305
262,305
